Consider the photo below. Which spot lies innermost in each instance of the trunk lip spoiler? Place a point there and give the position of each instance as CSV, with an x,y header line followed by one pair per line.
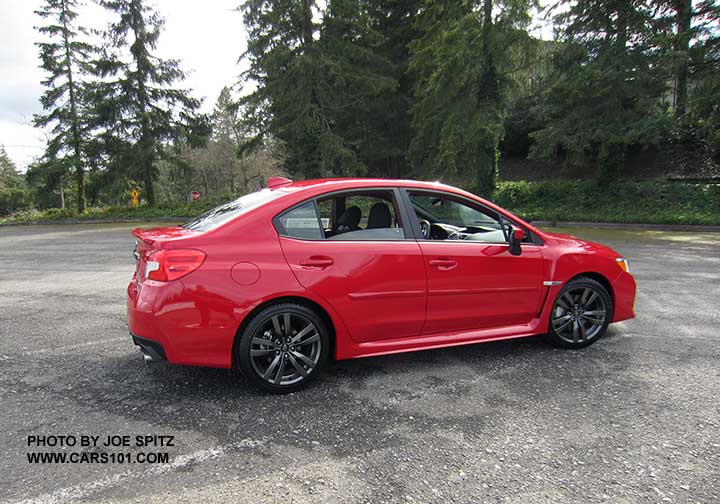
x,y
152,236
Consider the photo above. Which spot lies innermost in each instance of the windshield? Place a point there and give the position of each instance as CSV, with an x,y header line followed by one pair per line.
x,y
228,211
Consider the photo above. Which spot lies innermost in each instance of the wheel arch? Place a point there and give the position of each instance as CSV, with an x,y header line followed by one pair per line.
x,y
309,303
600,278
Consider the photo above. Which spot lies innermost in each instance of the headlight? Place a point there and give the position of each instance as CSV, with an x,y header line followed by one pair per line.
x,y
622,262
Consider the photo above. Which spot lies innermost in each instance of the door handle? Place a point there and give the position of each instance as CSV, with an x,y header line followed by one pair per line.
x,y
317,262
443,264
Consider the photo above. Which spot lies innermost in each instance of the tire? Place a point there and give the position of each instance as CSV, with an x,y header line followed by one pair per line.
x,y
580,314
282,359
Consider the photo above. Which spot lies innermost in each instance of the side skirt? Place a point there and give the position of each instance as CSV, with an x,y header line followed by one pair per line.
x,y
392,346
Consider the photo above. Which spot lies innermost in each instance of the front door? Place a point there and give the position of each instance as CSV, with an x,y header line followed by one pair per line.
x,y
473,280
353,253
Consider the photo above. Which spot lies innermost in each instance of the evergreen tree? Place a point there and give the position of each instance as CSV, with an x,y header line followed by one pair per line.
x,y
12,189
284,63
314,83
464,62
358,81
227,134
138,107
66,57
605,86
46,179
688,33
689,38
390,111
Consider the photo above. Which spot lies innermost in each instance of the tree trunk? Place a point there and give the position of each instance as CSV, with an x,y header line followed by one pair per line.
x,y
486,171
683,12
205,181
307,24
147,143
74,120
149,190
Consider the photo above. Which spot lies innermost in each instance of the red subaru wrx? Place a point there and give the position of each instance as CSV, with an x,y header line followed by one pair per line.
x,y
277,281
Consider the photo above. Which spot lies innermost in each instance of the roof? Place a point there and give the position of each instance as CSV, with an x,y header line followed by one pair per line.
x,y
345,183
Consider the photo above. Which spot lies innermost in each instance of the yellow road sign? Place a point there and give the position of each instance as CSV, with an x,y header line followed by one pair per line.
x,y
135,201
135,193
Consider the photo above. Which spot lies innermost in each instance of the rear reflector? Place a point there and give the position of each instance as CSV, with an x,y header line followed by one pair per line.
x,y
169,265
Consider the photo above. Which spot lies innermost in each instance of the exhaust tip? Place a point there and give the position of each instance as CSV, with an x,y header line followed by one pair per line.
x,y
152,351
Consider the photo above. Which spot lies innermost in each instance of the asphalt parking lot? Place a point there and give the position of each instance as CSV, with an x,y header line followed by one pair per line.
x,y
633,418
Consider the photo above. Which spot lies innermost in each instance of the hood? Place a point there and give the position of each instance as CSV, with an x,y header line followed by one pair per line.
x,y
586,245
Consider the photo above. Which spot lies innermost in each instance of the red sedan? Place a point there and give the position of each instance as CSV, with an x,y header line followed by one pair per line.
x,y
277,281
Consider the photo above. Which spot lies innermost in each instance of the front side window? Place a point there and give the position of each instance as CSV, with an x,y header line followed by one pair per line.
x,y
447,218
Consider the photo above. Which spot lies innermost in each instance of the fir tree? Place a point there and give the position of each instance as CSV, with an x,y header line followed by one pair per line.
x,y
314,83
12,188
390,111
605,86
464,62
138,107
67,58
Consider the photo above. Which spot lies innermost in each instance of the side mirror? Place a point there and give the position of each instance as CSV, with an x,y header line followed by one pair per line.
x,y
516,238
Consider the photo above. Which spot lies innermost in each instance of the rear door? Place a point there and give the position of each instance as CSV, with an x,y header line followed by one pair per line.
x,y
371,271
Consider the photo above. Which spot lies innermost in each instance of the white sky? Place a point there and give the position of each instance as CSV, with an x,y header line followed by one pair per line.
x,y
207,36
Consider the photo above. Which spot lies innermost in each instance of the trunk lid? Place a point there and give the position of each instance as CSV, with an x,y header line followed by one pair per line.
x,y
149,240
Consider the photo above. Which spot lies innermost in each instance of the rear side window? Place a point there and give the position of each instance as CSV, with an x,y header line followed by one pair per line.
x,y
301,222
228,211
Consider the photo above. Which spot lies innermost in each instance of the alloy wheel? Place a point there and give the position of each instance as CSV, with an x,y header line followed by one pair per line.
x,y
579,314
285,349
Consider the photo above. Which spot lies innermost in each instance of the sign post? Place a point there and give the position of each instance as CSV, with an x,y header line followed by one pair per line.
x,y
135,193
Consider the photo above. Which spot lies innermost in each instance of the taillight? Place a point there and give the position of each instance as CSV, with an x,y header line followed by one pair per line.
x,y
169,265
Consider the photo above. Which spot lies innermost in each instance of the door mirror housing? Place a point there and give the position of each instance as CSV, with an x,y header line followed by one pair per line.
x,y
516,238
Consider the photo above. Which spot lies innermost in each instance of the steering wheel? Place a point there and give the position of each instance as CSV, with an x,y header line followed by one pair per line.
x,y
425,228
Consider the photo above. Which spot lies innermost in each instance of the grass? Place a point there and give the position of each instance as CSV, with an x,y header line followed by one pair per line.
x,y
643,202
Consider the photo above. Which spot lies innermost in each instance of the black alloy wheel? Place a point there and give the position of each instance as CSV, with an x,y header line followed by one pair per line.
x,y
283,347
581,313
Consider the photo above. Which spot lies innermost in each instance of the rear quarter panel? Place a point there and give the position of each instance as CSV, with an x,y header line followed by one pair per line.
x,y
244,268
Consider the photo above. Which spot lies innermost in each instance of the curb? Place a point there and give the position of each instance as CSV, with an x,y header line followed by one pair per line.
x,y
628,226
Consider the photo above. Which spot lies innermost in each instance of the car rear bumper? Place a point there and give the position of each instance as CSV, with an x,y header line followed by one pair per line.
x,y
152,350
142,324
168,316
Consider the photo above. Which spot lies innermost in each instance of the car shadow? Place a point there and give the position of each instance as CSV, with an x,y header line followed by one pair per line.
x,y
351,401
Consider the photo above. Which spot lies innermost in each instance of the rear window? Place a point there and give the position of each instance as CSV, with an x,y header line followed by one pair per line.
x,y
228,211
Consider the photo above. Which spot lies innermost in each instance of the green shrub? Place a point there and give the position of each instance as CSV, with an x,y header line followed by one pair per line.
x,y
649,201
